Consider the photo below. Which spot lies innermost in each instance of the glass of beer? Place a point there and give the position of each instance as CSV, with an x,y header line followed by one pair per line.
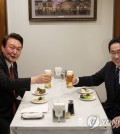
x,y
48,72
69,78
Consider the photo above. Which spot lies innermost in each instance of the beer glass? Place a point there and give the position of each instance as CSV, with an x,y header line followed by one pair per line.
x,y
69,79
48,72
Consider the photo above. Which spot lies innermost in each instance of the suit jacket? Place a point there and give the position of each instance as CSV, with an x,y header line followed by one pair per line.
x,y
106,75
7,86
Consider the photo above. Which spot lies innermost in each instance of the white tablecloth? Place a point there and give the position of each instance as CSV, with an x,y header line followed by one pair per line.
x,y
86,113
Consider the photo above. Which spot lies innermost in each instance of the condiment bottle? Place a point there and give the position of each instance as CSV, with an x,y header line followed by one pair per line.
x,y
71,107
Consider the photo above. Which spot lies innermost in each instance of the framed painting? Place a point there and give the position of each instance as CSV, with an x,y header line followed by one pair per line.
x,y
62,10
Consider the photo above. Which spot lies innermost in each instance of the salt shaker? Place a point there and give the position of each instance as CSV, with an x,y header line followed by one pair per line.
x,y
71,107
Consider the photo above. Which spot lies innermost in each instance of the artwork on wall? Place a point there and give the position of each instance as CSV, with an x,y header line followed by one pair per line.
x,y
62,10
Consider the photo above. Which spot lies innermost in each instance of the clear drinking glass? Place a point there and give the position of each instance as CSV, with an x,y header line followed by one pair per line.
x,y
58,71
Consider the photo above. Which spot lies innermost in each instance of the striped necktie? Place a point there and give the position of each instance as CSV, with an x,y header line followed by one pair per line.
x,y
117,78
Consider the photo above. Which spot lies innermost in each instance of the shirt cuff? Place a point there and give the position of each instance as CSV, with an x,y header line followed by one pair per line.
x,y
77,81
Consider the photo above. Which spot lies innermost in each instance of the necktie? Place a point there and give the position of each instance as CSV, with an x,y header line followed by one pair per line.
x,y
12,77
11,72
117,79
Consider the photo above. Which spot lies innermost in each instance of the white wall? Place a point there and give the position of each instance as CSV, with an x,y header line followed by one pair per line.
x,y
80,46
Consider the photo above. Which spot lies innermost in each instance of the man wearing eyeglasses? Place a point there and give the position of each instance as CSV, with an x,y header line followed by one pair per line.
x,y
109,74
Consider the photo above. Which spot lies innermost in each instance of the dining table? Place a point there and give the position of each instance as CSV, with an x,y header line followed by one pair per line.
x,y
88,118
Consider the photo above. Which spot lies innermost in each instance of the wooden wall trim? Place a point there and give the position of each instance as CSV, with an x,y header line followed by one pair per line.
x,y
116,27
3,20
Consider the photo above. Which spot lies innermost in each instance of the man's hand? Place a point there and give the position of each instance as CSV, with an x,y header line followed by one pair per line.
x,y
116,122
41,79
75,80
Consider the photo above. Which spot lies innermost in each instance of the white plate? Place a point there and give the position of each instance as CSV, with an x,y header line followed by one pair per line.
x,y
34,92
85,91
92,97
36,101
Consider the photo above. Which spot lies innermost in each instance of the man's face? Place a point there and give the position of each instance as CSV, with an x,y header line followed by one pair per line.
x,y
115,53
12,50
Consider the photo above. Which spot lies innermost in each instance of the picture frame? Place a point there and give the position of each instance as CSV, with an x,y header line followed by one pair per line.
x,y
62,10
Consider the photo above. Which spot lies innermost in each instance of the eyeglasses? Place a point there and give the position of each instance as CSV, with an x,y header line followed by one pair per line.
x,y
113,53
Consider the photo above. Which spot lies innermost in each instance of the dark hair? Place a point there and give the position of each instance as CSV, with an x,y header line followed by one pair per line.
x,y
113,41
12,35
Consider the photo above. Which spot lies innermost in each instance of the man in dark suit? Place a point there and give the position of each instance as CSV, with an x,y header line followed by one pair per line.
x,y
13,87
107,75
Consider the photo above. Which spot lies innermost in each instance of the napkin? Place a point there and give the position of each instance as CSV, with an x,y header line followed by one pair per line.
x,y
36,109
32,115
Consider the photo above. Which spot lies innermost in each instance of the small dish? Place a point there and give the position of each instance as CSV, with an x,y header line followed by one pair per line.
x,y
39,101
85,91
35,92
87,97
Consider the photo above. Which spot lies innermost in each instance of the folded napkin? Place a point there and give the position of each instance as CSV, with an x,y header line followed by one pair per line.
x,y
32,115
36,109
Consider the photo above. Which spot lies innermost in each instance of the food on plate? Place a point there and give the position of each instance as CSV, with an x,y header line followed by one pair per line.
x,y
85,90
40,91
87,96
39,100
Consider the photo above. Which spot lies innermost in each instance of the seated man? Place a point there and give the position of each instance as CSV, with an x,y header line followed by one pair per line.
x,y
109,74
4,126
10,85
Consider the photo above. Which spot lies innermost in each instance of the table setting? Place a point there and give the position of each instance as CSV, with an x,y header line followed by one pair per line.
x,y
59,108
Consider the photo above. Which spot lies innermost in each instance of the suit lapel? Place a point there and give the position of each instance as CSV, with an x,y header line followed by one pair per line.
x,y
4,64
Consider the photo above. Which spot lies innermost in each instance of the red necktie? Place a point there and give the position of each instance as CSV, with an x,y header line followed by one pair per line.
x,y
11,72
12,77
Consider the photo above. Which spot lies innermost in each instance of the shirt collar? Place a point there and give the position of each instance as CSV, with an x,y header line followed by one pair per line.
x,y
8,64
117,67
